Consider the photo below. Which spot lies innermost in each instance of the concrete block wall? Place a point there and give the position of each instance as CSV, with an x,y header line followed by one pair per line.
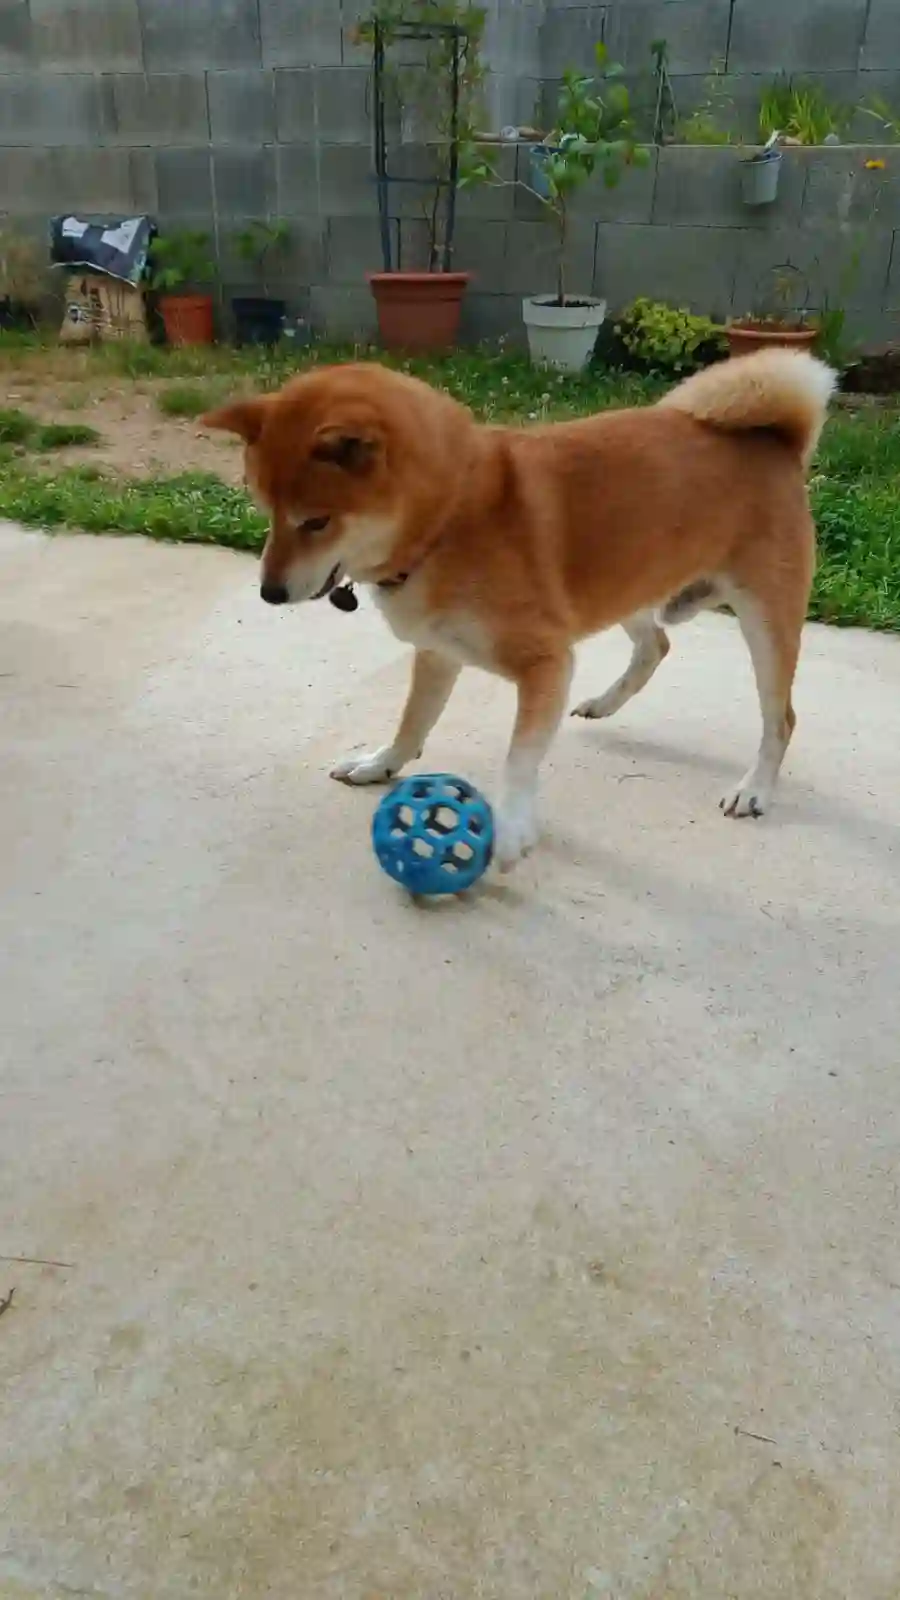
x,y
678,231
207,113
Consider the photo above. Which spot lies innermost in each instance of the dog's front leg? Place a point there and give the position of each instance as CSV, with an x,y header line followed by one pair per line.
x,y
542,689
433,677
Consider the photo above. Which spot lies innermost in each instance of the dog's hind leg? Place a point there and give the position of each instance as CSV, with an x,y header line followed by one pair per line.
x,y
650,646
771,623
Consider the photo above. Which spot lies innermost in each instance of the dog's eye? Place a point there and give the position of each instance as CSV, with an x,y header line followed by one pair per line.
x,y
314,524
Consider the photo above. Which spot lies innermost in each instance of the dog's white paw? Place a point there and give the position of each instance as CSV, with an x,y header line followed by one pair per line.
x,y
516,836
605,705
378,767
750,799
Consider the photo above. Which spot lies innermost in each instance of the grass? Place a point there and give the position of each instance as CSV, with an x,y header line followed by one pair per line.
x,y
855,495
855,488
188,399
191,508
18,428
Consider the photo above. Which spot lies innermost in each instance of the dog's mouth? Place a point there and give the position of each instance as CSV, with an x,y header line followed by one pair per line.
x,y
328,585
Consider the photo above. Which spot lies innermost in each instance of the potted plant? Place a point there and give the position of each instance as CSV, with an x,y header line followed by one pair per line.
x,y
781,317
24,279
176,260
593,131
437,92
259,319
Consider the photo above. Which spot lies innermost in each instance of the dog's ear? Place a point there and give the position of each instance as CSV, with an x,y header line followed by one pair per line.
x,y
351,447
243,417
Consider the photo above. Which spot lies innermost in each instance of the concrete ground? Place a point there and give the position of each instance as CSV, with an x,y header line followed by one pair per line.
x,y
541,1246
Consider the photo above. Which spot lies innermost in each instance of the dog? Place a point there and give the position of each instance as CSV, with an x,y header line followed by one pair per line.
x,y
502,547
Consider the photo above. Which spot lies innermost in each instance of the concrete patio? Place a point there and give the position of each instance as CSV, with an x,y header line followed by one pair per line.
x,y
539,1246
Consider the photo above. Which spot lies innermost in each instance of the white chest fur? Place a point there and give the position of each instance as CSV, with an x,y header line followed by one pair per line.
x,y
455,634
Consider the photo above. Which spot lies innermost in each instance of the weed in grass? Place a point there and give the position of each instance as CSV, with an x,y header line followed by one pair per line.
x,y
76,400
187,400
16,427
61,435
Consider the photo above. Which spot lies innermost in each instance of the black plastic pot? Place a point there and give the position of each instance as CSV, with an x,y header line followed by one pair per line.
x,y
13,317
257,319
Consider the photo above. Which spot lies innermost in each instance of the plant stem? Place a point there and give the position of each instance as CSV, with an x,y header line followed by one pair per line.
x,y
562,222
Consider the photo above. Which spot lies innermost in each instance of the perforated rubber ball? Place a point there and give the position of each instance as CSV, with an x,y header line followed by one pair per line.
x,y
434,834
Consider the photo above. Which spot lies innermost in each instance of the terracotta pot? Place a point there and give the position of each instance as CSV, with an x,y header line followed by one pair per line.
x,y
418,311
187,318
747,337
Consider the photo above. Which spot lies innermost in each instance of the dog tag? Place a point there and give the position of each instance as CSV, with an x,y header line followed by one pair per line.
x,y
344,599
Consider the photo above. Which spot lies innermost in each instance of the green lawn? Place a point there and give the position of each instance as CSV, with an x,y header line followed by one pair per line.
x,y
855,486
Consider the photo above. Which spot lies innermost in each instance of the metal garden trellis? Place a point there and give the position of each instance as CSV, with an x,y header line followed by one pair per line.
x,y
382,38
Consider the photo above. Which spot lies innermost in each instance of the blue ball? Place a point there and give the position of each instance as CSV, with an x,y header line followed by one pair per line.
x,y
434,834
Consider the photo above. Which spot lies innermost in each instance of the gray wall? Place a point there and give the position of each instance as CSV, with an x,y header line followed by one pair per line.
x,y
209,112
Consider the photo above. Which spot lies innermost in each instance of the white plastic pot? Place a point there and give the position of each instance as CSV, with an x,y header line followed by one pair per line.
x,y
562,336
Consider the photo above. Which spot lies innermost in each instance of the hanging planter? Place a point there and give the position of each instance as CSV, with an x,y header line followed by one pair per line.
x,y
538,157
760,175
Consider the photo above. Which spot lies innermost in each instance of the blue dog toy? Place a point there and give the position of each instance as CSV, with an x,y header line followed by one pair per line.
x,y
434,834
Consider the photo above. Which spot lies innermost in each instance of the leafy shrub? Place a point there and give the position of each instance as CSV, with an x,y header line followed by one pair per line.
x,y
668,339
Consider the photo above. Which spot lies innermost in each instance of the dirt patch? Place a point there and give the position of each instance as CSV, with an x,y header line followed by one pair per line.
x,y
136,439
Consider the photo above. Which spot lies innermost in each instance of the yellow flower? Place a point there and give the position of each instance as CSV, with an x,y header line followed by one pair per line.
x,y
876,166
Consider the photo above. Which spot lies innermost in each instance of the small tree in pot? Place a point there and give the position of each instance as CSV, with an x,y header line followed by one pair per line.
x,y
181,262
437,93
593,131
259,319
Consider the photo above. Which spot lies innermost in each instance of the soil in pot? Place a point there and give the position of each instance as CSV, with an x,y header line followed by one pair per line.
x,y
187,318
744,338
418,311
258,319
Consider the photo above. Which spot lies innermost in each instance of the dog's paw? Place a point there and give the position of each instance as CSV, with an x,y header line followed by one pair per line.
x,y
751,799
516,836
378,767
605,705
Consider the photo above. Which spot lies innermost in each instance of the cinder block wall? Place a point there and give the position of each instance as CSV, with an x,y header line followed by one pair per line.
x,y
207,113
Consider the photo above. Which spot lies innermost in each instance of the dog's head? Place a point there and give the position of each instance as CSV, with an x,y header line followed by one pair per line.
x,y
332,457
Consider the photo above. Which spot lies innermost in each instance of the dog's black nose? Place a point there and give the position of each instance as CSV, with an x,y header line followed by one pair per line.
x,y
274,594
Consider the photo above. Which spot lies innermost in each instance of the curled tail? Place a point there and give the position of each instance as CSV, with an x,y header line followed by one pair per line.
x,y
780,390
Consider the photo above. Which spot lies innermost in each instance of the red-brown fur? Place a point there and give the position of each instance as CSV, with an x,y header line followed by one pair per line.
x,y
515,543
